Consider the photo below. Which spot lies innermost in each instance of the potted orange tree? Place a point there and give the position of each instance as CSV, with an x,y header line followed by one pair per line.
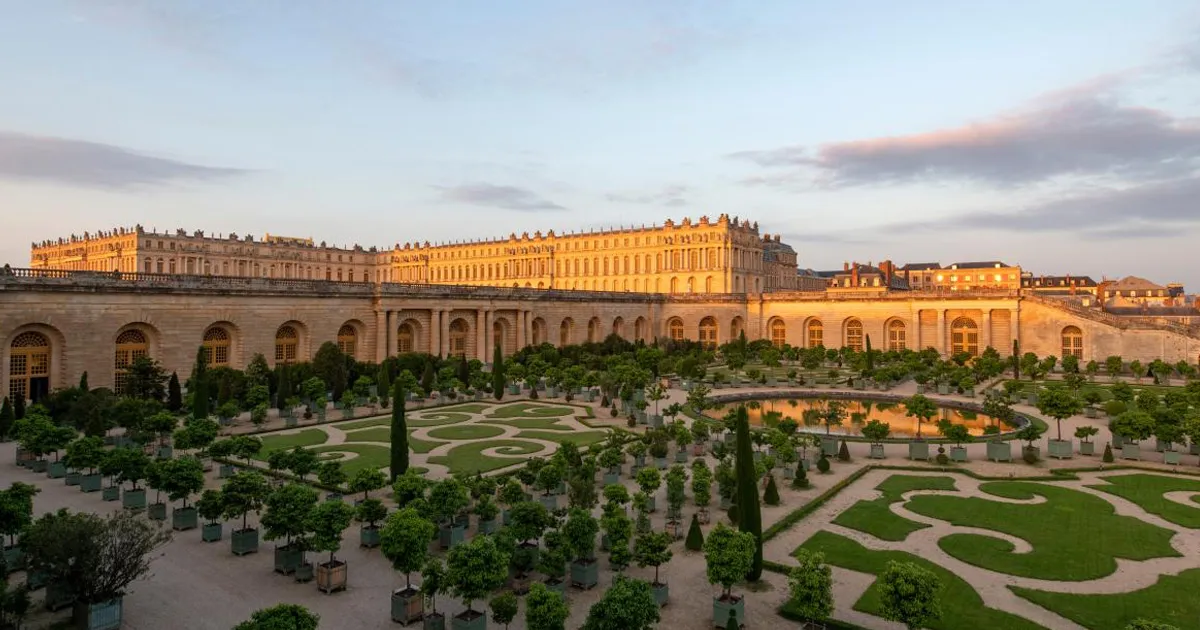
x,y
209,507
728,555
404,540
653,549
180,479
475,569
286,515
580,533
242,493
326,523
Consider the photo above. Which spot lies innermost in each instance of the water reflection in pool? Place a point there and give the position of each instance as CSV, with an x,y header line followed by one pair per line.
x,y
858,412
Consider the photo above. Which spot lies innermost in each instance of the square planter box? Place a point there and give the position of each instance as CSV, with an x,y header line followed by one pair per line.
x,y
662,593
368,537
1061,449
331,576
1194,448
1091,412
611,478
661,463
39,465
157,512
943,390
58,470
650,504
585,575
487,526
225,471
183,519
290,422
91,483
681,457
721,610
111,493
164,452
829,445
408,605
434,621
304,573
211,532
877,451
958,453
450,536
789,472
134,499
1131,451
469,620
102,616
14,558
287,559
1087,448
1117,441
549,501
1171,457
918,450
999,451
243,541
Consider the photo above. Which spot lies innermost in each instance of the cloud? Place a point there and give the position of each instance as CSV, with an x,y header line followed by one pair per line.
x,y
670,196
507,197
83,163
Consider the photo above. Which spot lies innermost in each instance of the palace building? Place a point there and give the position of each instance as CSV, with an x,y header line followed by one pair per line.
x,y
94,303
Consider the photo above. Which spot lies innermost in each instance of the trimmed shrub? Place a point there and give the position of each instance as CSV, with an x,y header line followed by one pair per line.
x,y
695,537
843,452
1108,456
771,494
823,464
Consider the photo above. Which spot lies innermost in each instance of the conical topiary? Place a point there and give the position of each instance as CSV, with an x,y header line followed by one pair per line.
x,y
800,481
843,452
771,494
823,464
732,624
1108,456
695,537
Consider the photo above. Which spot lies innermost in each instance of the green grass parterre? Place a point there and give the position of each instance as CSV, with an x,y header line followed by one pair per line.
x,y
1148,491
876,518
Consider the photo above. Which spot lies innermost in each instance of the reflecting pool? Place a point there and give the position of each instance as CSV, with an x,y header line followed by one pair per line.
x,y
857,412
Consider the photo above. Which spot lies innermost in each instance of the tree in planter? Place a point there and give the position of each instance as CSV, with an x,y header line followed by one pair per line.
x,y
627,605
676,493
701,485
325,524
1085,433
85,454
619,530
649,480
545,609
955,432
246,447
370,512
210,506
474,569
504,606
749,513
810,585
404,540
366,480
399,449
580,533
729,556
548,478
130,465
433,582
331,474
1060,404
286,516
302,462
180,479
653,550
281,617
919,407
447,499
16,511
655,394
242,493
909,594
409,487
1030,433
1133,425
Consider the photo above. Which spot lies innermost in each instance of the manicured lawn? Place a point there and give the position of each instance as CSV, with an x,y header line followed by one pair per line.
x,y
466,432
383,435
474,407
962,608
546,424
1104,388
1171,600
274,442
380,421
874,517
1075,536
369,456
1147,491
580,438
469,457
530,410
437,418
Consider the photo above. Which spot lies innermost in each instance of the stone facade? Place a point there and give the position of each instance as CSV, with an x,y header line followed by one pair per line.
x,y
55,325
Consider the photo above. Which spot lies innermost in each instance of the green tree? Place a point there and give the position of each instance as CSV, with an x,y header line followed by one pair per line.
x,y
545,609
281,617
909,594
366,480
199,384
1060,404
771,494
181,478
329,364
7,418
433,581
287,511
242,493
627,605
325,524
383,379
919,407
504,606
476,568
1145,624
695,536
404,540
331,474
811,586
652,549
145,379
729,556
749,512
16,510
498,377
399,449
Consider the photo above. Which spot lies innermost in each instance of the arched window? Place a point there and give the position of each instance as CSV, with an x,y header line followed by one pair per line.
x,y
29,366
594,329
708,333
639,328
816,333
897,336
854,335
216,346
619,327
735,328
458,338
1072,342
131,345
778,333
565,332
287,343
347,340
406,338
964,336
674,285
675,329
539,331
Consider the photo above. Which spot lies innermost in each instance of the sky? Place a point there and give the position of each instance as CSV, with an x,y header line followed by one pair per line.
x,y
1063,136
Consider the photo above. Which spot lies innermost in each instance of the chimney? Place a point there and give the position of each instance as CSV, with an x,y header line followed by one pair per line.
x,y
845,266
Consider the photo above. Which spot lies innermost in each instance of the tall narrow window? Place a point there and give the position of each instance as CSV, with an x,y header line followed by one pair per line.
x,y
131,344
29,366
675,329
816,333
1072,342
897,336
216,346
708,333
287,343
778,333
964,336
347,340
854,335
458,338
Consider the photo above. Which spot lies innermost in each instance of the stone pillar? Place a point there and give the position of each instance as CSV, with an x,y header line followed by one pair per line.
x,y
527,326
381,321
435,329
1014,328
985,339
392,333
942,346
489,336
444,333
480,334
520,324
915,342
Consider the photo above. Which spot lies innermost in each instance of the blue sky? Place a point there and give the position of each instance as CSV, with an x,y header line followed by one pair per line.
x,y
1063,136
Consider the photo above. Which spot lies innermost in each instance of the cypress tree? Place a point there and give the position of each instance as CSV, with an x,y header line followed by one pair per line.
x,y
498,381
384,391
749,512
174,394
200,385
1016,360
19,408
83,384
222,391
771,495
283,389
427,378
399,464
464,372
695,537
870,357
732,624
6,419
